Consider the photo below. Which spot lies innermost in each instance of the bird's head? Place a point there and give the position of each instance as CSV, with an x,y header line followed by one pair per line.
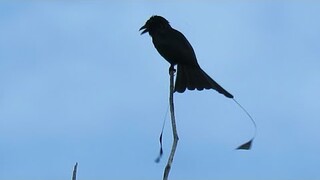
x,y
154,24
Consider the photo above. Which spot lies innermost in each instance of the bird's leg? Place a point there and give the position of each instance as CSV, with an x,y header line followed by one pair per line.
x,y
172,70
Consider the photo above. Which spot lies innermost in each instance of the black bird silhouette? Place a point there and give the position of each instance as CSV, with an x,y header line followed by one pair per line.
x,y
176,49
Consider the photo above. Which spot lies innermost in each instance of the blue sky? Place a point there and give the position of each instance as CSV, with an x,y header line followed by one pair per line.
x,y
79,84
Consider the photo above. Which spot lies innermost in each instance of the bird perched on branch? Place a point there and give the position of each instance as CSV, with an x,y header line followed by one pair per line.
x,y
176,49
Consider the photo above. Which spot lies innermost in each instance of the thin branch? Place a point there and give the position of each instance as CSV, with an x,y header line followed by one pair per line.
x,y
74,174
174,127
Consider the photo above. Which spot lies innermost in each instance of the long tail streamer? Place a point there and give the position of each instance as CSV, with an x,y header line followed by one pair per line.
x,y
157,160
247,145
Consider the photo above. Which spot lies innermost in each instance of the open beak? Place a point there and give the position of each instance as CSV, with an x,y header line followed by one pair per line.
x,y
144,28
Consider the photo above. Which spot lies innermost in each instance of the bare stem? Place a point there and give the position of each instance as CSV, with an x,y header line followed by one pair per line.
x,y
74,174
173,123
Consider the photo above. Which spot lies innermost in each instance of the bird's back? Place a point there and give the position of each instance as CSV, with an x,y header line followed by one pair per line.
x,y
174,47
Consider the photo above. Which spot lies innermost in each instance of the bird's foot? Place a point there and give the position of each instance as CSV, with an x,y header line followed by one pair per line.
x,y
172,70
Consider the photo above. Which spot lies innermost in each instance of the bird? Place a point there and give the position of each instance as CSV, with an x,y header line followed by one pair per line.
x,y
174,47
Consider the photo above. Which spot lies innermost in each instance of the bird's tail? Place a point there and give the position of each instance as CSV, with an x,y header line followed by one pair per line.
x,y
193,77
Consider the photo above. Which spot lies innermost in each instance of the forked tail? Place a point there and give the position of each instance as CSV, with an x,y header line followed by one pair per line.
x,y
193,77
